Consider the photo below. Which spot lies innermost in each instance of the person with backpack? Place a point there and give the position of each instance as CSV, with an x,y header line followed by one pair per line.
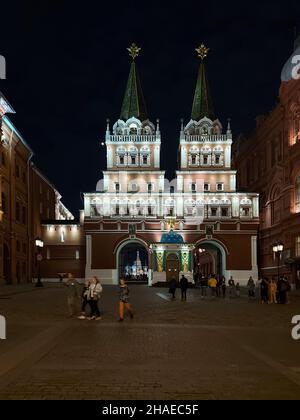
x,y
124,300
93,296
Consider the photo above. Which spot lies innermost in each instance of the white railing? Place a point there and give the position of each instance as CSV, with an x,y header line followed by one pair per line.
x,y
133,138
206,138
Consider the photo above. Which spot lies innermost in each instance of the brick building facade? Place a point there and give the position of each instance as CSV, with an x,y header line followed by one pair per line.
x,y
268,161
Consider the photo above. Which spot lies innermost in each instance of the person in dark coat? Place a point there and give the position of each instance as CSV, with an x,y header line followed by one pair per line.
x,y
264,287
183,286
282,290
173,286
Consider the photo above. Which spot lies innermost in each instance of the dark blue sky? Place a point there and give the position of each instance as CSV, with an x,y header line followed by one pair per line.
x,y
67,68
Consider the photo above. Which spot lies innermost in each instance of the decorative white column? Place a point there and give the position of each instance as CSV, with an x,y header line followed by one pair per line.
x,y
228,157
87,206
235,207
233,182
183,153
255,207
254,255
88,253
157,156
109,157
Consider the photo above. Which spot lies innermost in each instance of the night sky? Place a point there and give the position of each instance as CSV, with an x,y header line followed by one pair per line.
x,y
67,68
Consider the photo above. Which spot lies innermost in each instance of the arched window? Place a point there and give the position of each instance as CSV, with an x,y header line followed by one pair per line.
x,y
297,194
145,154
133,155
133,129
121,152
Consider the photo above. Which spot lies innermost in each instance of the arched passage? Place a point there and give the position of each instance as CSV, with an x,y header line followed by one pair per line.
x,y
210,257
132,259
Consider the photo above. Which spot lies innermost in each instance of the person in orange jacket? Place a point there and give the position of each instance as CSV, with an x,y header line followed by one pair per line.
x,y
272,289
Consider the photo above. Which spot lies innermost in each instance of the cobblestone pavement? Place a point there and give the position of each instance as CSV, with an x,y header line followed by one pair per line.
x,y
199,349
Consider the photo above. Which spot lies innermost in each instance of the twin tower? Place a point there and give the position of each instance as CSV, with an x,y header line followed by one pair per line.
x,y
134,143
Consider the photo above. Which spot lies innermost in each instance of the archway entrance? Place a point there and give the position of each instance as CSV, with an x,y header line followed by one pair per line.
x,y
209,258
172,267
133,263
6,265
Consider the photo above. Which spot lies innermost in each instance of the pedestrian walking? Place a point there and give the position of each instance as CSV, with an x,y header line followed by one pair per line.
x,y
223,286
94,293
203,286
124,300
238,290
272,291
72,287
251,288
231,285
173,287
212,284
183,286
84,297
219,286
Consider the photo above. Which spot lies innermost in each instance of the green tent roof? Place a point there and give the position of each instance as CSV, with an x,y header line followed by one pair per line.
x,y
134,102
202,104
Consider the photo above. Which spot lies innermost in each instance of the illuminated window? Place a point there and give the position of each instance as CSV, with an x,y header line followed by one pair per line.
x,y
214,211
220,186
297,247
245,211
224,212
77,255
206,186
62,236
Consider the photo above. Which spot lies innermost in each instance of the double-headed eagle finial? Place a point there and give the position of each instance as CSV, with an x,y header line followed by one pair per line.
x,y
133,50
202,51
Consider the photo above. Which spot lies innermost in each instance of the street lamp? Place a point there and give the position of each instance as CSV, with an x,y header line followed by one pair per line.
x,y
278,249
39,246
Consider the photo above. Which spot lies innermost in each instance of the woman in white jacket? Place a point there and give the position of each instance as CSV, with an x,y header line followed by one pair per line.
x,y
94,294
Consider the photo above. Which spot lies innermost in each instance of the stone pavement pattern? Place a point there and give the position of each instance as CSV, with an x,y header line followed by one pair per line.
x,y
199,349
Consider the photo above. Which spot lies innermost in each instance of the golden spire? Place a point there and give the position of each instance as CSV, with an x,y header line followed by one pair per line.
x,y
202,51
133,50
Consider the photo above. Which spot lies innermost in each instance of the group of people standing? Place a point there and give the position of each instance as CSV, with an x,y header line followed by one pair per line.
x,y
217,286
270,290
90,295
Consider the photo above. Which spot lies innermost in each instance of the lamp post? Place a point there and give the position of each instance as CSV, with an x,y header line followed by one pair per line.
x,y
278,249
39,246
